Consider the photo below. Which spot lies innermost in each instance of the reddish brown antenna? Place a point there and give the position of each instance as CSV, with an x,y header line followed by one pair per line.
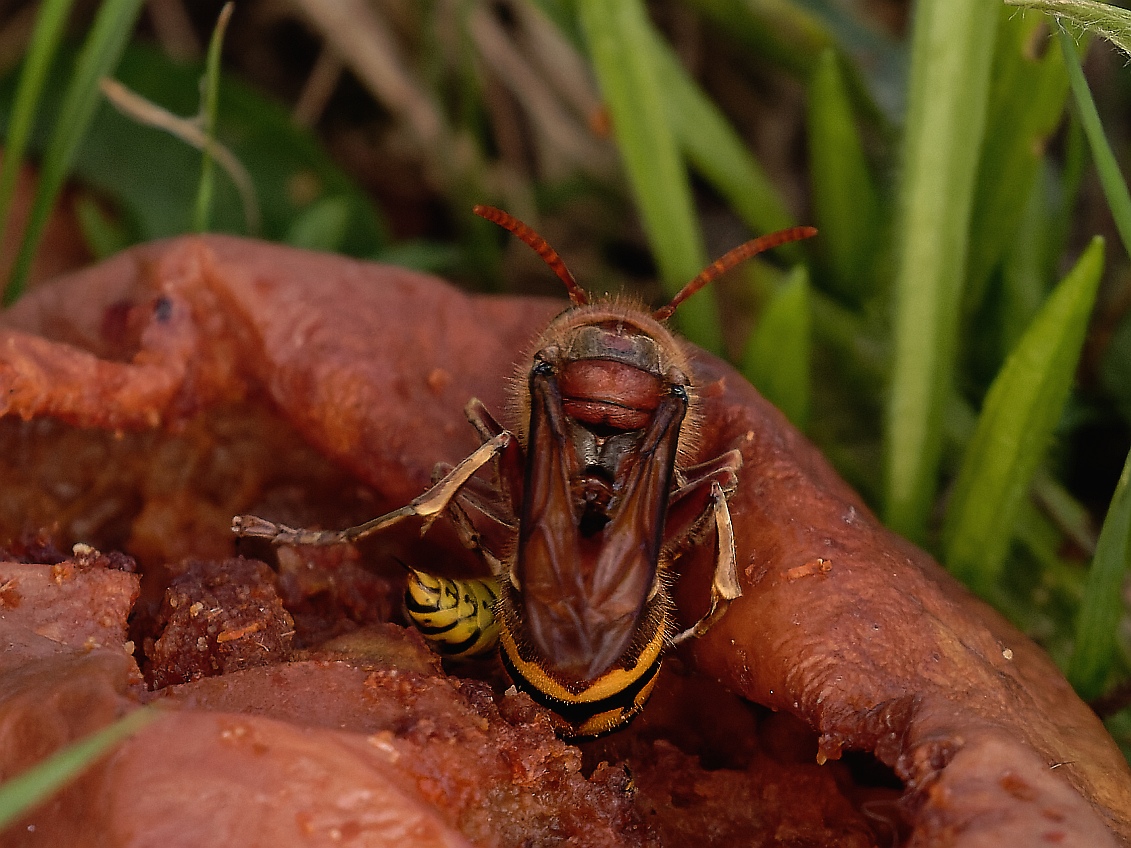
x,y
728,260
577,295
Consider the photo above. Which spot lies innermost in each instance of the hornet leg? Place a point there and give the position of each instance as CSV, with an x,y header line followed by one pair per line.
x,y
428,505
724,586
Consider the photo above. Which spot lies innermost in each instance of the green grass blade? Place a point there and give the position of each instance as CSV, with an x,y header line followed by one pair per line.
x,y
1104,20
845,200
145,112
1020,412
1111,179
1102,606
779,350
714,149
619,39
952,48
1027,97
108,36
287,169
37,784
210,98
41,50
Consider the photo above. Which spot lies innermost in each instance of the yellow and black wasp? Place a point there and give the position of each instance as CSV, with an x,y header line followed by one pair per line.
x,y
456,617
591,493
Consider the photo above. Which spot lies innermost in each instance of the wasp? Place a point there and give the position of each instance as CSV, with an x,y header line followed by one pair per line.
x,y
591,498
456,617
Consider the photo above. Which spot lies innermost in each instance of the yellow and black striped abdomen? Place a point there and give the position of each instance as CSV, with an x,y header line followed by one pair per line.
x,y
590,708
465,619
457,617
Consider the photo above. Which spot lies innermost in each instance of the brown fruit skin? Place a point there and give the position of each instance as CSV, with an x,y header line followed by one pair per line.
x,y
867,639
841,623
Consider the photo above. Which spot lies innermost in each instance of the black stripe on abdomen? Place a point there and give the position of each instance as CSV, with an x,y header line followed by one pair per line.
x,y
579,712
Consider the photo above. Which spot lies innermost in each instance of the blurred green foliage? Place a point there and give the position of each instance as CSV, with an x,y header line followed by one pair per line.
x,y
79,99
151,179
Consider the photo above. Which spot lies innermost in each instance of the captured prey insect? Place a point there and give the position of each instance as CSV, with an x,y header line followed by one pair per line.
x,y
592,497
456,617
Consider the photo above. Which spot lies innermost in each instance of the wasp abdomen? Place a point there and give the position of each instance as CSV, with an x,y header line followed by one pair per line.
x,y
457,617
586,708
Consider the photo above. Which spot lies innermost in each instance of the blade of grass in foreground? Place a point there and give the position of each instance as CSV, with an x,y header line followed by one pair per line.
x,y
952,48
1027,98
210,97
100,53
21,793
1111,179
714,149
619,40
41,49
845,200
778,353
1102,605
134,106
1018,417
1025,279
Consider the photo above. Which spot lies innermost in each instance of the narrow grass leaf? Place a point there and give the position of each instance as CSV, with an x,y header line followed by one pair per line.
x,y
1110,22
118,157
37,784
845,199
1111,179
778,353
1027,96
1026,274
619,37
714,149
103,46
952,48
188,130
41,50
1015,426
210,96
1102,607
